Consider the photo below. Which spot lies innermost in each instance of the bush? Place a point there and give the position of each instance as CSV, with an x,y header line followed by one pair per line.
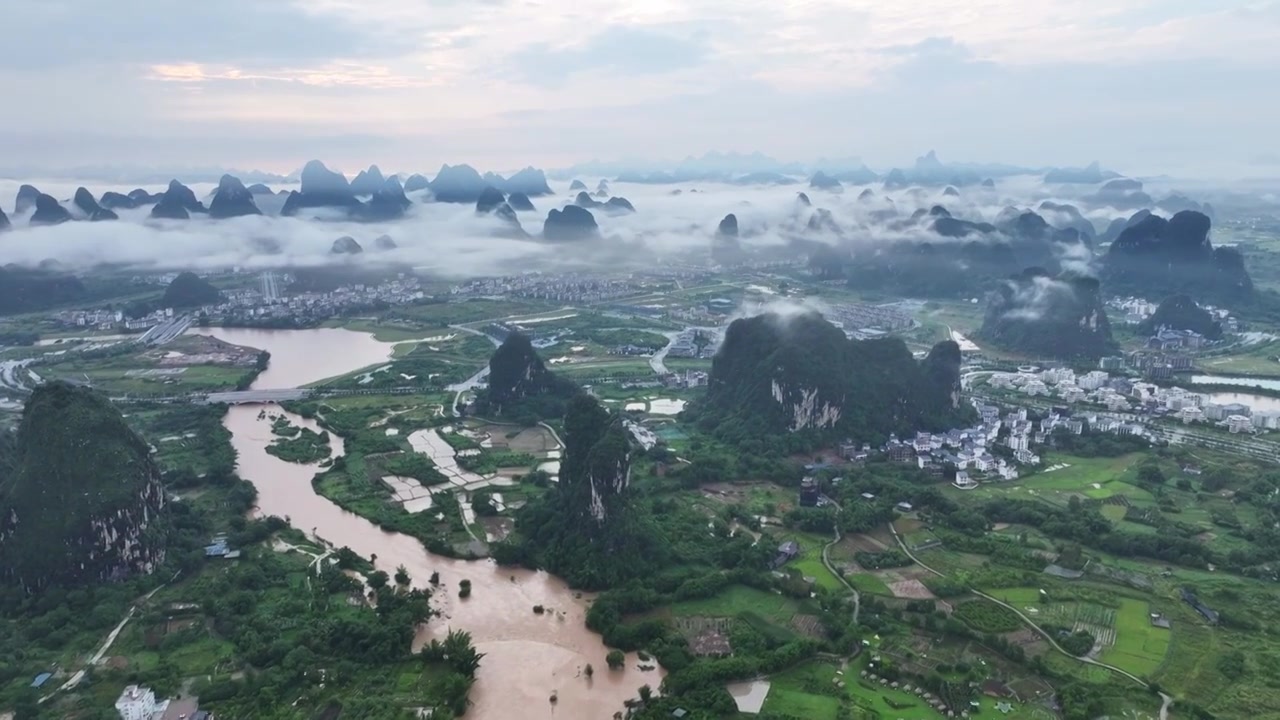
x,y
464,589
987,617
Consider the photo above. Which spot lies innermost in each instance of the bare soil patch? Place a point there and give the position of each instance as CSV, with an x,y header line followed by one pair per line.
x,y
912,589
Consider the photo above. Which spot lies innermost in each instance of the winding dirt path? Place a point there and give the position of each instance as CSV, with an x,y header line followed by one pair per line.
x,y
826,560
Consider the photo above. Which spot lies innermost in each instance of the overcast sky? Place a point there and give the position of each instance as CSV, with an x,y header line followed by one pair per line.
x,y
1180,86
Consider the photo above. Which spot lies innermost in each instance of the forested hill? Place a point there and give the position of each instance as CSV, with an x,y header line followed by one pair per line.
x,y
190,290
1154,256
80,498
1040,316
1180,312
799,375
521,384
587,528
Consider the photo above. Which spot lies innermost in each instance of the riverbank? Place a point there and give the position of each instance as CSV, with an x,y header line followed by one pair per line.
x,y
529,655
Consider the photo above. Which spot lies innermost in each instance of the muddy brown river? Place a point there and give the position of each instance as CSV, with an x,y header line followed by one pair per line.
x,y
528,657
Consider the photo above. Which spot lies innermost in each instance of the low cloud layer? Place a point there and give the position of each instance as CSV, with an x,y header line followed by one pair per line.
x,y
672,224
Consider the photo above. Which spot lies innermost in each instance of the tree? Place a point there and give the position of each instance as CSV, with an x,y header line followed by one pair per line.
x,y
464,589
482,503
646,693
616,659
377,580
590,671
402,575
1151,475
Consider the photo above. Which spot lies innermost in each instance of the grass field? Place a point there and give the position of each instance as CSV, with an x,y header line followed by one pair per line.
x,y
1140,647
1021,597
809,691
809,562
790,702
1093,478
869,583
1114,513
737,600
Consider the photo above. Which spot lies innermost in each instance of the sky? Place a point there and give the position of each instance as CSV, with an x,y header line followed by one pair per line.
x,y
1146,86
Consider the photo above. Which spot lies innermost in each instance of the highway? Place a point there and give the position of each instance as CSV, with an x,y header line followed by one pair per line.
x,y
166,331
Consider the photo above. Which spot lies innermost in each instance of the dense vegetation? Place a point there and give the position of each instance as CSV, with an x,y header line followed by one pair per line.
x,y
1155,257
25,290
777,376
587,530
298,444
521,386
1180,312
1035,314
81,499
190,290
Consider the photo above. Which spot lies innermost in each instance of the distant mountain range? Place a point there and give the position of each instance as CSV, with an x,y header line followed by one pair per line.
x,y
756,167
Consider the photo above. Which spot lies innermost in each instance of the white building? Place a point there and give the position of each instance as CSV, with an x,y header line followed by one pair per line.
x,y
136,703
1191,414
1093,380
1035,387
1239,423
1116,403
1059,376
1266,420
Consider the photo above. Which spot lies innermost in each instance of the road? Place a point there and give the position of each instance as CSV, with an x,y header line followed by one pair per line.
x,y
166,331
78,677
857,598
474,381
658,361
1167,701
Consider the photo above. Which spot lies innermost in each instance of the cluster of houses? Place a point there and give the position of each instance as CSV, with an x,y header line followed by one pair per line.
x,y
137,702
1125,395
107,319
695,343
1133,310
574,287
251,304
869,320
969,450
403,290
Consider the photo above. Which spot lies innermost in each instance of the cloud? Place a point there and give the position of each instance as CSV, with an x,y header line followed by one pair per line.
x,y
1048,81
125,32
618,51
450,240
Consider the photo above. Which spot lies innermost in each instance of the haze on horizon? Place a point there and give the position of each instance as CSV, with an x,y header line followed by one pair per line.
x,y
1146,86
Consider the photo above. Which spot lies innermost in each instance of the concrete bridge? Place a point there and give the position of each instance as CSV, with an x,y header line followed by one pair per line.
x,y
247,397
277,395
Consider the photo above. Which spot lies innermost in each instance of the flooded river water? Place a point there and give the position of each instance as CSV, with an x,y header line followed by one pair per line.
x,y
527,656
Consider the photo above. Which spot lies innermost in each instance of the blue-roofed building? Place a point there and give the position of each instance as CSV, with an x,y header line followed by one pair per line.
x,y
41,679
218,548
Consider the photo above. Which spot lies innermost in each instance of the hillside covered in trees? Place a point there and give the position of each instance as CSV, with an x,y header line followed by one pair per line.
x,y
798,376
1042,316
80,498
1158,257
1180,312
520,385
586,529
190,290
